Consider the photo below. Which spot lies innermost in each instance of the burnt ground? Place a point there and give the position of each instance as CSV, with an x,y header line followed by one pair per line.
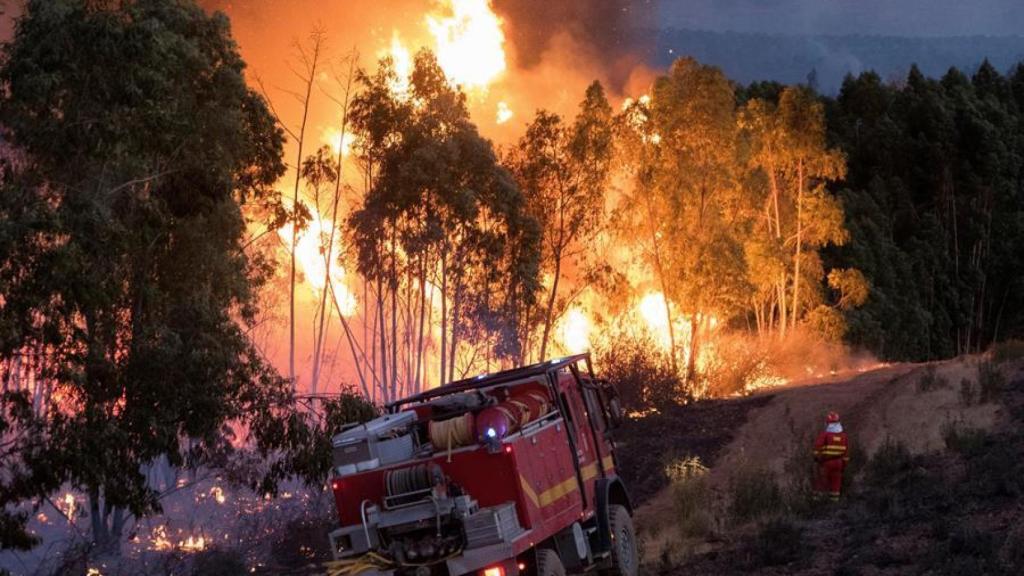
x,y
702,430
955,510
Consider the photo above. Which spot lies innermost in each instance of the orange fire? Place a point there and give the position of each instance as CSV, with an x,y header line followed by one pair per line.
x,y
310,253
469,43
504,113
575,331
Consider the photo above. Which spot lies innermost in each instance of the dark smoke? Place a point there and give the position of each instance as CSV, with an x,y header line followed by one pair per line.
x,y
616,31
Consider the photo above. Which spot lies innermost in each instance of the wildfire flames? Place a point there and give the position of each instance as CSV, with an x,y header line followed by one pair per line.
x,y
310,254
469,41
470,44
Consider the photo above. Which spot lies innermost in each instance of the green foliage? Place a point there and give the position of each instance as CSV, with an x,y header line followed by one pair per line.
x,y
934,208
441,210
754,493
19,433
930,380
121,242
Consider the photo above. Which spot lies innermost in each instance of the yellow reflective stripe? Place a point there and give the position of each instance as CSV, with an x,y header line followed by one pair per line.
x,y
560,490
565,487
528,490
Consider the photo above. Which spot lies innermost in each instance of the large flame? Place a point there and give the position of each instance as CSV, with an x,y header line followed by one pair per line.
x,y
401,59
310,253
469,42
575,331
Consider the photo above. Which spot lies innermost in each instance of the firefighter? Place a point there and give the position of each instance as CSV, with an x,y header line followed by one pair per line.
x,y
831,452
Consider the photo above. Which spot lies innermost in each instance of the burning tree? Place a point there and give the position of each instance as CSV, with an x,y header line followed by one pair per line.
x,y
563,172
442,225
788,149
121,244
680,148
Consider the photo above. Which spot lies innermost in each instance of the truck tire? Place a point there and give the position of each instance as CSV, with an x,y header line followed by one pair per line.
x,y
625,560
548,563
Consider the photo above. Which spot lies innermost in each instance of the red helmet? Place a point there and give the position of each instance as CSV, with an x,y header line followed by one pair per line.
x,y
832,418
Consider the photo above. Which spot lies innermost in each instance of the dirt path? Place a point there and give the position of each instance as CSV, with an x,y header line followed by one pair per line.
x,y
779,426
876,405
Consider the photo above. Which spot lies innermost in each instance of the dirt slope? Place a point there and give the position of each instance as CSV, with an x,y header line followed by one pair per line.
x,y
776,430
881,404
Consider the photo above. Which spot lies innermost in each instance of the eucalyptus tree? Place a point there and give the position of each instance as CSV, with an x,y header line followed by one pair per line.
x,y
122,259
563,171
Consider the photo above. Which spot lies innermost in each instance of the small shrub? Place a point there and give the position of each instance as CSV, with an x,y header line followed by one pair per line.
x,y
964,440
968,392
1007,351
995,472
690,495
754,493
691,499
897,486
217,562
931,380
780,541
685,468
642,373
891,460
990,382
800,470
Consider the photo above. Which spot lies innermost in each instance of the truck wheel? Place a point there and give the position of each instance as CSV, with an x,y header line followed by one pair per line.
x,y
548,563
625,561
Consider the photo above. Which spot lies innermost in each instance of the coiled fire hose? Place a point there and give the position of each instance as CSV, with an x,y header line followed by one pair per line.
x,y
453,432
375,561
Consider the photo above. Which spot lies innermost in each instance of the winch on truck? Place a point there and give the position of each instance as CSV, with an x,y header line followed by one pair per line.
x,y
499,475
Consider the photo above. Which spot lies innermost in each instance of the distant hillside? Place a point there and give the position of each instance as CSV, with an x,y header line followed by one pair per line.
x,y
747,57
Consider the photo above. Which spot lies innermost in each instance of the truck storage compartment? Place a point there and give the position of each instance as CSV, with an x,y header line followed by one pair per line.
x,y
379,442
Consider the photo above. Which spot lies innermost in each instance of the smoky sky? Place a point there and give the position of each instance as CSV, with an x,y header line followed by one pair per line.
x,y
843,17
610,27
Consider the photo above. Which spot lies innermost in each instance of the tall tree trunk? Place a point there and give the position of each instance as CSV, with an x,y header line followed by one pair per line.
x,y
444,318
550,309
310,79
691,360
422,320
783,305
799,241
383,341
329,253
453,346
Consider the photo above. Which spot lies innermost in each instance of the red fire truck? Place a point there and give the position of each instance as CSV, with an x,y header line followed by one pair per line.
x,y
499,475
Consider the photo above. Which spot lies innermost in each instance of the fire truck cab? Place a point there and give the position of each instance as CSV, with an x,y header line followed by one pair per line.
x,y
499,475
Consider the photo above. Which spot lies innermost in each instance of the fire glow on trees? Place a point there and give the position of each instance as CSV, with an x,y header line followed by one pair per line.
x,y
468,41
477,51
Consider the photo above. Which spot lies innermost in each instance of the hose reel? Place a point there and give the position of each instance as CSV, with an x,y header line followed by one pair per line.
x,y
413,484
